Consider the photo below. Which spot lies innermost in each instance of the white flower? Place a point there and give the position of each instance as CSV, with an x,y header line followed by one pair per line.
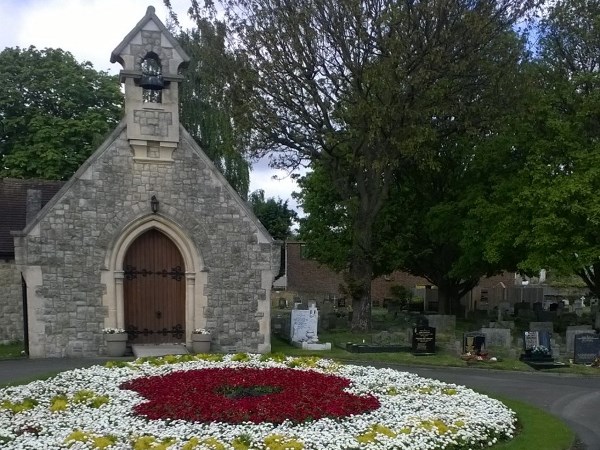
x,y
201,331
415,413
113,331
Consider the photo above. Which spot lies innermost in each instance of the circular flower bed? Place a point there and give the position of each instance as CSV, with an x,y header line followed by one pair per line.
x,y
244,402
245,394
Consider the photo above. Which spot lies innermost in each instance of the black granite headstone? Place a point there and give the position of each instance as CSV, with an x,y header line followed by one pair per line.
x,y
423,340
544,339
587,348
531,339
474,342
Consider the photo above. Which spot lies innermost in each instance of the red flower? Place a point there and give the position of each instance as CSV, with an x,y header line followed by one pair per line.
x,y
236,395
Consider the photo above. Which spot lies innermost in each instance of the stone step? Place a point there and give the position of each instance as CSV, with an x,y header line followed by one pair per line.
x,y
140,350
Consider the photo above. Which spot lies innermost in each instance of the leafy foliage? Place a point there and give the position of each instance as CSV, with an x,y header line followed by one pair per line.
x,y
424,227
209,97
549,211
54,111
358,88
274,214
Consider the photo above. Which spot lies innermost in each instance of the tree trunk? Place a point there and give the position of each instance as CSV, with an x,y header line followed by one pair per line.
x,y
358,282
591,277
450,293
360,270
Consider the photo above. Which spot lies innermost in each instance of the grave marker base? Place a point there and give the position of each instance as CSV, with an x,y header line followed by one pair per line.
x,y
537,365
369,348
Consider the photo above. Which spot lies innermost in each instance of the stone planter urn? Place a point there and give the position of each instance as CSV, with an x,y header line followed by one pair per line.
x,y
200,343
116,344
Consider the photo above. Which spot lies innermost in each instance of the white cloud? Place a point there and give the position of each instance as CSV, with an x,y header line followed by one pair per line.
x,y
90,30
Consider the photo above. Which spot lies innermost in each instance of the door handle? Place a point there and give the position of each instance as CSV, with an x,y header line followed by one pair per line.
x,y
158,314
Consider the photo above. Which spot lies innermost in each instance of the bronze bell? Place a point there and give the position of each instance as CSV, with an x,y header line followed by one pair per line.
x,y
152,82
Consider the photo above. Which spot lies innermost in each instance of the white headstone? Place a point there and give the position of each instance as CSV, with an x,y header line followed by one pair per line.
x,y
304,324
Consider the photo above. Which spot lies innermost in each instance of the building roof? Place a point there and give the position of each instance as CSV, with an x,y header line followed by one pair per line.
x,y
13,207
150,16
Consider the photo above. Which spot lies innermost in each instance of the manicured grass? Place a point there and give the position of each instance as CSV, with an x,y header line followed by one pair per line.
x,y
442,358
12,350
538,429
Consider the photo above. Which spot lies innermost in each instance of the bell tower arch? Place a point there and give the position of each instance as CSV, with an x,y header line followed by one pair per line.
x,y
151,60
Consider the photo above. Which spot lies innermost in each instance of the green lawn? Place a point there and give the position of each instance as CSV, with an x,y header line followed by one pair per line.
x,y
538,429
12,350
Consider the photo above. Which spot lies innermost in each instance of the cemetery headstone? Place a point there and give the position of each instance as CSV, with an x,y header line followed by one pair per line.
x,y
545,339
537,346
474,343
423,340
570,334
531,339
304,324
586,348
498,337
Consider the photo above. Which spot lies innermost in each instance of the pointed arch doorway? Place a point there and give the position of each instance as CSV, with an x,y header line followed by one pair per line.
x,y
154,290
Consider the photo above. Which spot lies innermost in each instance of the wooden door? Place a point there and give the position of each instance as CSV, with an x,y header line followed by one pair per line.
x,y
154,290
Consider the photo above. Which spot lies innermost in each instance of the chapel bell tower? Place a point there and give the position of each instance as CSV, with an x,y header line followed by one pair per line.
x,y
151,60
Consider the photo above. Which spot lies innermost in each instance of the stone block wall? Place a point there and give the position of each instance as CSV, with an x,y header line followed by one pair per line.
x,y
71,242
11,303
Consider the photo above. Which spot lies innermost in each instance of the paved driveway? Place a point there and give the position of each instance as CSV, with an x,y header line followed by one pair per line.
x,y
574,399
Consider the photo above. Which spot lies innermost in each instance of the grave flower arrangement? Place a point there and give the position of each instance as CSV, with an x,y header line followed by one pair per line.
x,y
540,350
247,402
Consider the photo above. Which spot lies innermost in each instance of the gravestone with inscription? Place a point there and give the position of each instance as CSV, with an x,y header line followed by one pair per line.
x,y
304,324
587,348
531,339
303,329
571,332
537,346
423,340
474,343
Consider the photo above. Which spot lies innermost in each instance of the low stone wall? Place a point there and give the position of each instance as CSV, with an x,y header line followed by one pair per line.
x,y
11,303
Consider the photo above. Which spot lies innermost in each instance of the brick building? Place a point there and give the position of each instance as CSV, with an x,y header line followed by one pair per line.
x,y
307,277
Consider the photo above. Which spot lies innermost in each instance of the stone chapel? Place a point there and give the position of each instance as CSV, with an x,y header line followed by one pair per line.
x,y
147,235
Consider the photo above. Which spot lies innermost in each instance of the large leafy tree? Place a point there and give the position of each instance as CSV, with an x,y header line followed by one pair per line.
x,y
425,227
550,210
209,99
359,87
274,213
54,111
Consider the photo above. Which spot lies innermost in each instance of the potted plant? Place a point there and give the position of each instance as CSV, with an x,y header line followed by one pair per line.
x,y
201,340
116,341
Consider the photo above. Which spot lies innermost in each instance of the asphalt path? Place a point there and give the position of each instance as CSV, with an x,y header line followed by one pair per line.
x,y
575,399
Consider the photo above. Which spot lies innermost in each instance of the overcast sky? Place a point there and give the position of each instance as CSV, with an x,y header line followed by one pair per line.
x,y
90,30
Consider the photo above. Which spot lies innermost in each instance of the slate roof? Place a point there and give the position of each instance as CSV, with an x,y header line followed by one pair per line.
x,y
13,207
